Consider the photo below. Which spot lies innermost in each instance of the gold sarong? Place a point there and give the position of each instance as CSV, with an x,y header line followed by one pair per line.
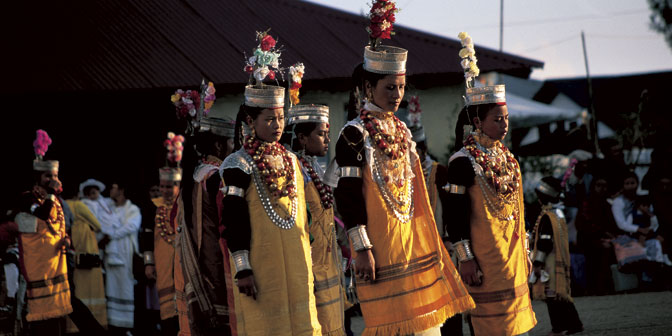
x,y
164,258
326,266
417,286
281,263
44,268
503,305
557,263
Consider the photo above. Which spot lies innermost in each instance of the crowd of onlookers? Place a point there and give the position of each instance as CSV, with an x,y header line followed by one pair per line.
x,y
109,291
620,223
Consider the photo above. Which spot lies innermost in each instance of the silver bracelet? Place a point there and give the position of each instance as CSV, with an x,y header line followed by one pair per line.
x,y
540,256
463,249
233,191
454,189
241,260
148,258
359,238
350,171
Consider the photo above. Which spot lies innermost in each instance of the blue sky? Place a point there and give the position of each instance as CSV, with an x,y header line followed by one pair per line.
x,y
618,37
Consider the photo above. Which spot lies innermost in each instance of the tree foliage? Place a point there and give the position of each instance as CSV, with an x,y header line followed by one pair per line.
x,y
661,18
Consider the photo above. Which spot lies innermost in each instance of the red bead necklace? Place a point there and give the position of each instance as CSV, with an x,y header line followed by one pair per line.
x,y
162,220
501,171
326,194
394,146
262,153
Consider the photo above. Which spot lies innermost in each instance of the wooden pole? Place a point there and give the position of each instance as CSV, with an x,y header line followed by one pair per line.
x,y
501,25
592,127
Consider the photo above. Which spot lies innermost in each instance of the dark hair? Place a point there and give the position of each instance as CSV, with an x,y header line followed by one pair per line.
x,y
421,145
300,128
466,117
630,174
37,176
243,112
120,184
553,183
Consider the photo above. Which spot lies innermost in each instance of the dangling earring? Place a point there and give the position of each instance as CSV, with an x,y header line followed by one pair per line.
x,y
302,151
253,133
369,96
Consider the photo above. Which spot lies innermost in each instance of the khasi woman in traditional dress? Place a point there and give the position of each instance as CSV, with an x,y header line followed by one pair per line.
x,y
406,283
309,127
159,256
203,294
551,279
265,215
486,205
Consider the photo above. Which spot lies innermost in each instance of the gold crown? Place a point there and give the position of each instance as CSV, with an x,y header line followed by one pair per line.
x,y
385,60
39,165
170,174
494,94
218,126
268,96
308,113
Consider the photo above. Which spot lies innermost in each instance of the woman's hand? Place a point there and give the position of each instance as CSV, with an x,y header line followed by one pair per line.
x,y
150,272
470,273
365,265
246,286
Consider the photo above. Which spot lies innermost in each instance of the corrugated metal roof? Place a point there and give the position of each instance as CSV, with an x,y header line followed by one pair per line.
x,y
142,44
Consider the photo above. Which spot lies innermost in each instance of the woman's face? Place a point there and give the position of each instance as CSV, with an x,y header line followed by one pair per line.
x,y
630,185
388,92
601,187
269,124
496,122
169,189
93,194
317,142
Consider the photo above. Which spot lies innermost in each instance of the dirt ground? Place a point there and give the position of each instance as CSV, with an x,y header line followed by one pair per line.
x,y
641,314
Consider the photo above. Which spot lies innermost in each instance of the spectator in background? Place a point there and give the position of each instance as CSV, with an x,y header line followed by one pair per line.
x,y
119,269
635,216
662,199
613,165
154,191
87,276
596,228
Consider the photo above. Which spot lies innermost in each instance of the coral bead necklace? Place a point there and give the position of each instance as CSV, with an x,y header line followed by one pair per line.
x,y
326,194
394,146
273,162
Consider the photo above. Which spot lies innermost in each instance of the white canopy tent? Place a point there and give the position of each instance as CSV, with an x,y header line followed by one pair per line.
x,y
525,112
